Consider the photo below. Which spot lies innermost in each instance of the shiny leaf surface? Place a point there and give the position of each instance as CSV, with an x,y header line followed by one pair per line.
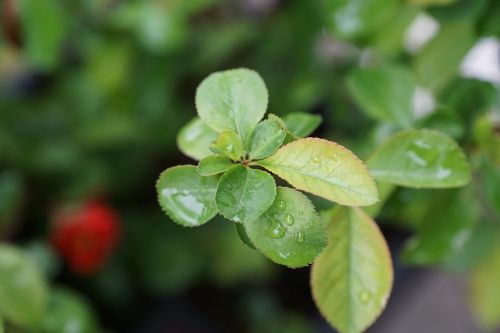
x,y
420,158
194,139
244,194
232,100
289,232
187,197
326,169
213,165
266,138
352,278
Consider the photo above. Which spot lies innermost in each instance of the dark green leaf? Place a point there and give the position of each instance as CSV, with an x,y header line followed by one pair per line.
x,y
242,233
266,138
244,194
289,232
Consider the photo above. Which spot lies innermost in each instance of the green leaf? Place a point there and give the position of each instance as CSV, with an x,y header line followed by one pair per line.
x,y
438,62
187,197
484,291
266,138
302,124
232,100
228,144
445,228
325,169
289,232
420,158
352,278
213,165
194,139
384,93
23,290
244,194
431,2
350,19
67,309
43,27
242,233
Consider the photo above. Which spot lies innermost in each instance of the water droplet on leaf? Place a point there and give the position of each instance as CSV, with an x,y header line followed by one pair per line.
x,y
289,220
281,204
301,237
276,230
365,296
316,159
301,212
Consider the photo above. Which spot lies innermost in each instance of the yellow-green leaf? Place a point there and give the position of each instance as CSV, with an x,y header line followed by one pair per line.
x,y
352,278
228,144
23,290
213,165
485,291
326,169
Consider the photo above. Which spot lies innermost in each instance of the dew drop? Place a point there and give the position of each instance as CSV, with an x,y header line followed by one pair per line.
x,y
316,159
276,230
301,237
289,220
301,212
229,186
365,296
281,204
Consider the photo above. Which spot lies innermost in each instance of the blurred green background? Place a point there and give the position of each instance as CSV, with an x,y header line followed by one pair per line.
x,y
93,93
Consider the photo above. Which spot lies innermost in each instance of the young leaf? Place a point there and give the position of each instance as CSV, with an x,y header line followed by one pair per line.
x,y
23,290
302,124
384,93
352,278
484,291
228,143
213,165
232,100
289,232
242,233
244,194
325,169
187,197
266,138
194,139
420,158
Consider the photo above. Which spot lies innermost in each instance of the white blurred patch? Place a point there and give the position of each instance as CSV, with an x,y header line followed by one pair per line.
x,y
483,61
423,103
420,32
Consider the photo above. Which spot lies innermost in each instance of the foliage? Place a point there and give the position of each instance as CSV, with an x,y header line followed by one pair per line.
x,y
92,94
352,278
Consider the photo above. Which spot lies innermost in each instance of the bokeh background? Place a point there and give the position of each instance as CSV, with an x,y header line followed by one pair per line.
x,y
93,93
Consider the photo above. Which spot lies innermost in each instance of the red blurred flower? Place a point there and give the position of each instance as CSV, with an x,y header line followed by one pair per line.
x,y
86,236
